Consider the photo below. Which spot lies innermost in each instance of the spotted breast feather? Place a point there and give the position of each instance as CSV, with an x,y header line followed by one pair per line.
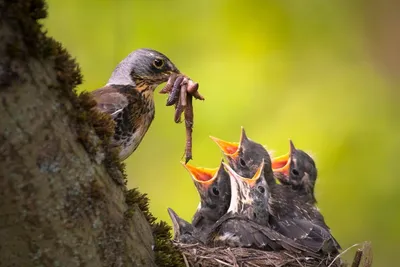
x,y
132,111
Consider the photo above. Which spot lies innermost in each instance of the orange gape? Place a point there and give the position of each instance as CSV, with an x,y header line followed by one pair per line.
x,y
282,163
201,174
229,148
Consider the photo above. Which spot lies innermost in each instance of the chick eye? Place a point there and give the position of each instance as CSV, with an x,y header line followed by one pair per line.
x,y
215,191
242,162
295,172
261,189
158,63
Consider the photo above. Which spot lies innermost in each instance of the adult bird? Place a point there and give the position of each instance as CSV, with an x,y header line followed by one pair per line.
x,y
128,96
213,186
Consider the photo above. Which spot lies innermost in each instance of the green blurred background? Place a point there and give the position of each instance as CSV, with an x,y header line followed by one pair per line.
x,y
323,73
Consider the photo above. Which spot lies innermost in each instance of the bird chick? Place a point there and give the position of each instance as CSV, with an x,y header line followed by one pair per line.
x,y
298,170
245,157
295,202
246,222
213,186
183,230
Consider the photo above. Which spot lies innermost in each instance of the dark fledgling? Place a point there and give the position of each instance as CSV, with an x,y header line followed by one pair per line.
x,y
183,230
213,186
246,223
295,197
298,170
245,157
295,203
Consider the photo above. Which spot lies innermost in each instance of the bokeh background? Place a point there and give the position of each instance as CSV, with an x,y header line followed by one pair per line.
x,y
323,73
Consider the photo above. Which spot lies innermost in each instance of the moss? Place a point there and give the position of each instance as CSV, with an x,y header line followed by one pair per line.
x,y
94,129
165,253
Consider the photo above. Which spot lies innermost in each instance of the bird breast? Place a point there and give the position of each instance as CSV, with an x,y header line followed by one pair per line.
x,y
140,119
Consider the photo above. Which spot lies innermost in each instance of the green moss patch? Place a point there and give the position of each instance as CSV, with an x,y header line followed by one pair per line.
x,y
165,253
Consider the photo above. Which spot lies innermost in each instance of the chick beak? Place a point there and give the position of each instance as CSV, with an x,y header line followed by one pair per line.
x,y
243,136
175,222
282,163
292,147
228,148
252,181
179,225
239,189
203,177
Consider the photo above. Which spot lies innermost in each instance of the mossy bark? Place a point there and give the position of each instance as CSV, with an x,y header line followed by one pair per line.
x,y
60,204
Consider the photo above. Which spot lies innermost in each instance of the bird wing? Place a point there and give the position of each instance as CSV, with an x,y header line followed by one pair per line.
x,y
308,234
233,230
112,103
205,217
111,100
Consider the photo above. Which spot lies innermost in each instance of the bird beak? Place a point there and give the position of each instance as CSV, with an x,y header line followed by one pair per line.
x,y
202,176
239,189
282,163
252,181
174,68
228,148
243,136
178,224
175,222
231,149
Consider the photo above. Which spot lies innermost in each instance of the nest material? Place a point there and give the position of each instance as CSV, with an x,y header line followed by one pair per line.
x,y
197,255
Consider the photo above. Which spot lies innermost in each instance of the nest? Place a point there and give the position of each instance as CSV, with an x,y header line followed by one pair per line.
x,y
197,255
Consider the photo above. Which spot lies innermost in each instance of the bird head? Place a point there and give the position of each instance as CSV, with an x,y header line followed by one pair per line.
x,y
180,226
249,196
296,168
143,68
213,186
245,156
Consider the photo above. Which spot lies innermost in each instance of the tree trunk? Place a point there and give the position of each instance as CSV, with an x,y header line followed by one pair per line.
x,y
59,204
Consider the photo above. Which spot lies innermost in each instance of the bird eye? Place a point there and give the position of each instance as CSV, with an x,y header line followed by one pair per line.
x,y
242,162
158,63
215,191
261,189
295,172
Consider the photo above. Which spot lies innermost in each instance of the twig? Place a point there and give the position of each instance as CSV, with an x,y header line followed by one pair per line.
x,y
233,257
185,260
357,258
222,262
343,252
